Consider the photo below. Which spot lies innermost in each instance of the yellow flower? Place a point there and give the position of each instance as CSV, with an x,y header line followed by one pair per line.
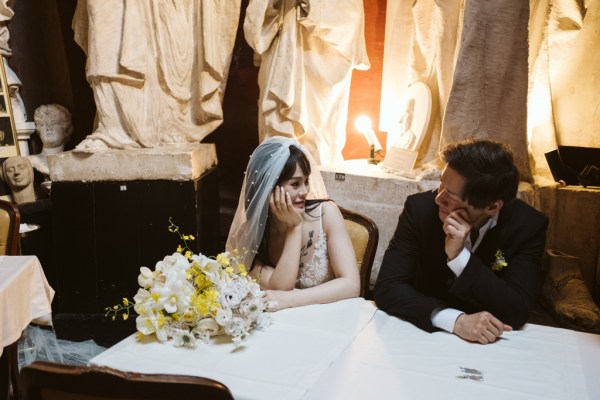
x,y
223,259
242,269
155,296
188,255
125,301
500,262
125,316
179,248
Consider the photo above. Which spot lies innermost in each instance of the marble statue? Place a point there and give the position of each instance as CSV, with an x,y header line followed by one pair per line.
x,y
307,51
55,128
473,55
157,68
17,172
12,80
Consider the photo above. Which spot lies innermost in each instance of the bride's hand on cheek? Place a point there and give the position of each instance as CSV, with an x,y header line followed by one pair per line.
x,y
277,299
282,208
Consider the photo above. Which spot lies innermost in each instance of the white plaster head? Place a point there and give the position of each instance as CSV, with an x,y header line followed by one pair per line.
x,y
54,125
17,172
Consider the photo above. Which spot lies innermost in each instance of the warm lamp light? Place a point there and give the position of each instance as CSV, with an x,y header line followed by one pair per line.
x,y
363,124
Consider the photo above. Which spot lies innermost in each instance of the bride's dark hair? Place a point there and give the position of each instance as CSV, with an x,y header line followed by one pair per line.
x,y
296,159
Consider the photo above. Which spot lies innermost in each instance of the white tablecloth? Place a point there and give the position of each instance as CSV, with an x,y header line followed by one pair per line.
x,y
283,362
392,359
25,296
348,350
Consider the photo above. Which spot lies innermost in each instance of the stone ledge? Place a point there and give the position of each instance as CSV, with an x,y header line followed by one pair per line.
x,y
177,163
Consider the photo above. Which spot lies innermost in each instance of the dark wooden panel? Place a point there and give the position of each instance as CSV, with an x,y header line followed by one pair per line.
x,y
106,231
74,246
118,230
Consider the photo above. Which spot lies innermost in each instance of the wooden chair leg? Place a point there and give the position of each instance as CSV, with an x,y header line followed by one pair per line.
x,y
4,374
13,365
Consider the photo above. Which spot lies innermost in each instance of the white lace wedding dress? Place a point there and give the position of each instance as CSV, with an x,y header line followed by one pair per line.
x,y
314,261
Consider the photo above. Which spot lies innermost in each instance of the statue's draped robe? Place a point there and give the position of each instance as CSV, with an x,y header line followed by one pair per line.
x,y
473,56
307,52
157,68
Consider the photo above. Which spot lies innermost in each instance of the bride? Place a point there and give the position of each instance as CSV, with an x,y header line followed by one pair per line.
x,y
292,238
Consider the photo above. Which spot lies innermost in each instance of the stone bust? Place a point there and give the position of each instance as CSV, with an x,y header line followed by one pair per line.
x,y
53,124
17,172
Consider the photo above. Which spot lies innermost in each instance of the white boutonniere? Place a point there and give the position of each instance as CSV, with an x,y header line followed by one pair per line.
x,y
499,261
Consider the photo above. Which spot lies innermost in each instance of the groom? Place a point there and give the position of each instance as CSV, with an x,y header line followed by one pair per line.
x,y
466,258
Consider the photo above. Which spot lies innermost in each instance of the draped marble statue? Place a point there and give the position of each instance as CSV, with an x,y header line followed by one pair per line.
x,y
307,50
13,81
473,56
157,68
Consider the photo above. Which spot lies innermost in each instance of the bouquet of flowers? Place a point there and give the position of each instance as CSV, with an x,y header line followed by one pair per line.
x,y
190,297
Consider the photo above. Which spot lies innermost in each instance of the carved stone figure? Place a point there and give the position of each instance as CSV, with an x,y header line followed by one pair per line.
x,y
17,172
407,136
414,121
13,81
157,68
54,126
307,51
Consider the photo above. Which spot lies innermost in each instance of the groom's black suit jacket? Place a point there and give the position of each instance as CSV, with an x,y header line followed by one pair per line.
x,y
415,279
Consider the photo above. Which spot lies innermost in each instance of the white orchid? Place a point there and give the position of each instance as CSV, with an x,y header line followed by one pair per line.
x,y
152,322
211,268
175,293
146,277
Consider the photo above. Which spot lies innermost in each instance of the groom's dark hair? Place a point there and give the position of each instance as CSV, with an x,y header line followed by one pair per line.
x,y
488,168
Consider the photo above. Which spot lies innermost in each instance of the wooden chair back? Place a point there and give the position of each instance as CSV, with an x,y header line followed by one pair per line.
x,y
43,380
10,221
364,235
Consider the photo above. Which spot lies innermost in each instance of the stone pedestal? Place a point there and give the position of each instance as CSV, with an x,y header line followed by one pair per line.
x,y
174,163
111,214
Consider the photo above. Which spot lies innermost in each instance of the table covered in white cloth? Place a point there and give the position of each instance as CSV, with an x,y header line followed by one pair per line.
x,y
393,359
350,350
282,362
25,296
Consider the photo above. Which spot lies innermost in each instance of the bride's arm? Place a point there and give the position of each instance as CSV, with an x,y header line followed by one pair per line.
x,y
346,283
284,276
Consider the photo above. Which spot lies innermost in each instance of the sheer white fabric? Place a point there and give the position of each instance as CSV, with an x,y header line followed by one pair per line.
x,y
262,173
314,262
